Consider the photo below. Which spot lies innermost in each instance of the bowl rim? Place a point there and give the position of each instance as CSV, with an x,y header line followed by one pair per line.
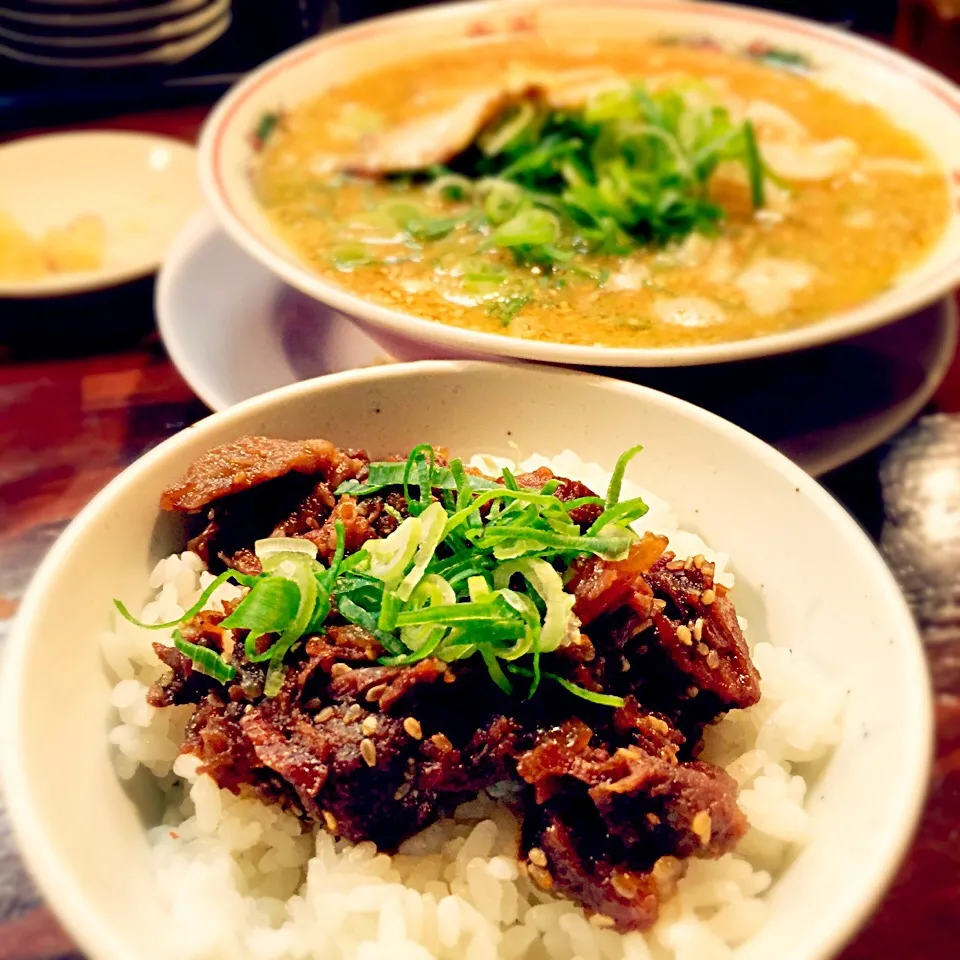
x,y
87,281
859,319
88,924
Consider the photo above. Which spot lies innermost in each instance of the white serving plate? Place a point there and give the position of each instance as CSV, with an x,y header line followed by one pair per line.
x,y
234,330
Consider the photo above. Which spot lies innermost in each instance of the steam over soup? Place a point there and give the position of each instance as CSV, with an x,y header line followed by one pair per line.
x,y
639,195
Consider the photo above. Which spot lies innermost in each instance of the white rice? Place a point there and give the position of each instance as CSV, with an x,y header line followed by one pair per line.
x,y
239,879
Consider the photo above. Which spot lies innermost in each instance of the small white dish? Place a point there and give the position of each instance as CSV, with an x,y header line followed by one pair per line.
x,y
807,578
143,187
915,98
234,331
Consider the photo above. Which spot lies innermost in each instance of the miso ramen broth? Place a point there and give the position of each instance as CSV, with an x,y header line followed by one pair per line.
x,y
849,200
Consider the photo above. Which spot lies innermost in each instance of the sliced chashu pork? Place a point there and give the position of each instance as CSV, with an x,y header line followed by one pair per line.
x,y
439,136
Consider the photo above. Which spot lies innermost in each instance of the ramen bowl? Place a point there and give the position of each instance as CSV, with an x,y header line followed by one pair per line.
x,y
911,96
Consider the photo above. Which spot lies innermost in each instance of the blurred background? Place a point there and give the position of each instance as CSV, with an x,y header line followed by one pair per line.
x,y
87,58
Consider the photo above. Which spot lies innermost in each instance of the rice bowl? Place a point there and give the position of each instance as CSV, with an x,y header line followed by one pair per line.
x,y
775,492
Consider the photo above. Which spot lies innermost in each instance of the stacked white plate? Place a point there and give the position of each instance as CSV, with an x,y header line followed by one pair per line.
x,y
103,34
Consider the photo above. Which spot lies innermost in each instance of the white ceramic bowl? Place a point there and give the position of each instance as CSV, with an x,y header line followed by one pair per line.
x,y
807,577
143,187
916,98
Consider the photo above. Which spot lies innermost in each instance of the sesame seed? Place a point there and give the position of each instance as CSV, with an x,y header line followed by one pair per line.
x,y
625,885
368,751
684,635
376,692
653,819
330,820
442,742
369,725
692,691
698,629
403,790
702,826
702,649
659,725
338,670
541,877
707,597
324,715
353,713
602,921
624,665
659,604
413,728
537,857
666,872
713,660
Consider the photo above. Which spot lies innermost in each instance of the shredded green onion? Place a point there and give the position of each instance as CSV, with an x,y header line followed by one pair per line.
x,y
629,168
354,613
476,573
205,660
391,474
603,699
616,478
188,614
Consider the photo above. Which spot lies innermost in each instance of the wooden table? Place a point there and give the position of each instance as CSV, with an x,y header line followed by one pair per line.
x,y
88,389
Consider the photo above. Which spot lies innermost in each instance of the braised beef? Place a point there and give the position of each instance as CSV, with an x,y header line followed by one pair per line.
x,y
258,487
250,461
567,490
612,800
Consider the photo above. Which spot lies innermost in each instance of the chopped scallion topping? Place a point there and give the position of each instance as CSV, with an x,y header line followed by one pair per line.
x,y
205,660
630,167
478,572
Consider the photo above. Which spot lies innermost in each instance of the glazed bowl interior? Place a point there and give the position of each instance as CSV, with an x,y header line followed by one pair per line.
x,y
914,97
82,832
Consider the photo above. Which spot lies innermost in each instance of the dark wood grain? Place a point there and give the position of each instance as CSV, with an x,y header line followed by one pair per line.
x,y
75,410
